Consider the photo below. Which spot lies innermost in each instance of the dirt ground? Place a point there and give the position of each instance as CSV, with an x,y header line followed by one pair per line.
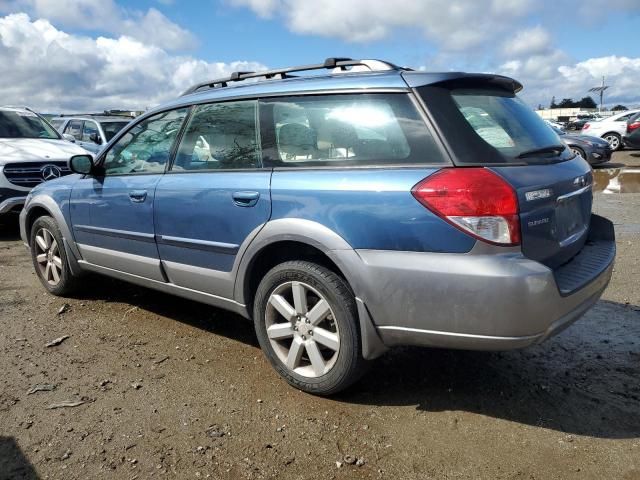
x,y
167,388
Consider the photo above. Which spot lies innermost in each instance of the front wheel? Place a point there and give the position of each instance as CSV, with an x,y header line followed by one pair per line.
x,y
50,258
578,151
306,322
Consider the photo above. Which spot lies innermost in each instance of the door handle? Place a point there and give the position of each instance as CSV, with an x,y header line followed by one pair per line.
x,y
138,196
245,199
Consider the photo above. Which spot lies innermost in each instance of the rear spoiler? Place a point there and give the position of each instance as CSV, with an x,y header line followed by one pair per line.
x,y
461,80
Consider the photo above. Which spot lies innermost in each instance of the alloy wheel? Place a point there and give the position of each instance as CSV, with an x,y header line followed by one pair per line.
x,y
302,330
613,140
48,257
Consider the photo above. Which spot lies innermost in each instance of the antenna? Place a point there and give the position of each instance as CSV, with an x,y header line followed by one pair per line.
x,y
601,90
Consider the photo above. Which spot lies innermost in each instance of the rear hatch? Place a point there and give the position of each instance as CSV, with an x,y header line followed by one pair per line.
x,y
484,124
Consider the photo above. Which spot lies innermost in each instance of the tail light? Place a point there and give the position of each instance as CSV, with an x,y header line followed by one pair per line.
x,y
632,126
586,126
474,200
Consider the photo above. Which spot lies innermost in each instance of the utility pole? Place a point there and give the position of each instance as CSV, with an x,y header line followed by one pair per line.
x,y
601,90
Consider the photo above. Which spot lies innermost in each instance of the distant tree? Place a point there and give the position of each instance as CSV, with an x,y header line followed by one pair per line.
x,y
586,102
619,108
553,102
567,103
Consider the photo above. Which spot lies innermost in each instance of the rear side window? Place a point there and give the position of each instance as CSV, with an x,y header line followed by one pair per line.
x,y
345,130
220,136
491,125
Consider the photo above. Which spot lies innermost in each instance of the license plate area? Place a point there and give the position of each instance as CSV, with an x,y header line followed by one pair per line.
x,y
571,220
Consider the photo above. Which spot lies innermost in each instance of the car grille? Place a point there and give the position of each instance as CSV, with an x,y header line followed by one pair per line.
x,y
30,174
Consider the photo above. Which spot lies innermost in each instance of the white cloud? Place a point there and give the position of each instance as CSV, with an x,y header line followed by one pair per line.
x,y
107,16
454,25
550,75
55,71
531,41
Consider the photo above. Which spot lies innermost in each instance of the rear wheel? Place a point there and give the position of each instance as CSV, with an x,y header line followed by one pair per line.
x,y
306,322
50,258
615,141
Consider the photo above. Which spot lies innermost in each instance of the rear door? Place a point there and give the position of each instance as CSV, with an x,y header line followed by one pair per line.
x,y
214,198
487,125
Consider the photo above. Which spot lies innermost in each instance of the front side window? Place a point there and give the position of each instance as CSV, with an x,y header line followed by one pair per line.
x,y
146,147
74,128
24,124
90,128
347,130
220,136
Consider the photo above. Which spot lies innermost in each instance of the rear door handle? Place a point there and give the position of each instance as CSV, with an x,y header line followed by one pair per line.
x,y
245,199
138,196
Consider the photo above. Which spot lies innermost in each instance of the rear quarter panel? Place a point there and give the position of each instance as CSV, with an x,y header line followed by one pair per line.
x,y
369,208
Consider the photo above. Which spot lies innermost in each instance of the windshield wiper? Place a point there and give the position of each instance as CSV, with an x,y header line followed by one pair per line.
x,y
557,149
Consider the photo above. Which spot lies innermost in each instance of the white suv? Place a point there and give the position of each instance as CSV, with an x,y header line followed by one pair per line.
x,y
31,152
611,129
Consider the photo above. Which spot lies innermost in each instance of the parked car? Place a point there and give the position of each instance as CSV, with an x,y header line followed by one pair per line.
x,y
611,128
551,123
90,132
593,149
631,138
327,209
580,121
31,152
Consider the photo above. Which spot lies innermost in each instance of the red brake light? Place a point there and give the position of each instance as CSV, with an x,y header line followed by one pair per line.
x,y
475,200
633,126
586,126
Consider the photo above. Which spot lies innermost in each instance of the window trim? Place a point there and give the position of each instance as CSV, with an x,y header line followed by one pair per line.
x,y
97,127
192,111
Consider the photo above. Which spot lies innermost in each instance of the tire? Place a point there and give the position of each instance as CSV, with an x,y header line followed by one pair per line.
x,y
614,140
288,311
578,151
50,258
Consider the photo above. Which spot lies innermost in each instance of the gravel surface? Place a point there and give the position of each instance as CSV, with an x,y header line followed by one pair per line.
x,y
136,384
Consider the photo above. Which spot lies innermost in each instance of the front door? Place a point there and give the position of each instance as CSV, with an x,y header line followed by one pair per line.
x,y
112,215
215,197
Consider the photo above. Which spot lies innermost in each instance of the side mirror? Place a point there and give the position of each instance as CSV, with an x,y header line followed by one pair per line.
x,y
95,139
82,164
69,138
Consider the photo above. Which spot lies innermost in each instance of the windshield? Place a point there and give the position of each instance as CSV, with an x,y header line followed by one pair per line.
x,y
24,124
488,125
111,128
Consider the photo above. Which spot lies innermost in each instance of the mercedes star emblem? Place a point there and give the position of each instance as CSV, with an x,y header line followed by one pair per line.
x,y
49,172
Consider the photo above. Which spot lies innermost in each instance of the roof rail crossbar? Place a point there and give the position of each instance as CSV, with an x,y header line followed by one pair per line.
x,y
330,63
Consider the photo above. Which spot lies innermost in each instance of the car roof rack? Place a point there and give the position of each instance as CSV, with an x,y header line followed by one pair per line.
x,y
333,63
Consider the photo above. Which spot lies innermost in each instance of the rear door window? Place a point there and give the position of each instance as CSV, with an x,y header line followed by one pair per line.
x,y
345,130
220,136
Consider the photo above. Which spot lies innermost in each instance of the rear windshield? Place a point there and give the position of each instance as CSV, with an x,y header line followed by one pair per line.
x,y
111,128
24,124
492,126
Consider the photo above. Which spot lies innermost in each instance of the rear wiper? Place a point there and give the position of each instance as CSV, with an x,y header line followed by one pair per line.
x,y
557,149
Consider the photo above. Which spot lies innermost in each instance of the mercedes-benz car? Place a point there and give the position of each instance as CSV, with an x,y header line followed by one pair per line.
x,y
31,152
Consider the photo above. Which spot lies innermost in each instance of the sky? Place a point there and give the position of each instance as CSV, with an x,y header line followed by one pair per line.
x,y
92,55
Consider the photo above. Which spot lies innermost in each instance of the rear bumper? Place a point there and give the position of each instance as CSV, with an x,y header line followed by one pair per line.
x,y
482,300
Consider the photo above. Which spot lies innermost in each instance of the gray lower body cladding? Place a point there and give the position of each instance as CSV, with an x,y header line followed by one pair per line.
x,y
477,301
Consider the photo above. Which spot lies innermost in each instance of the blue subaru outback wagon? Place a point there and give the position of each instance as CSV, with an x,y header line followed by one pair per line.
x,y
345,211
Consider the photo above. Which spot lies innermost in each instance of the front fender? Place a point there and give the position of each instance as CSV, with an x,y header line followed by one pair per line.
x,y
58,209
